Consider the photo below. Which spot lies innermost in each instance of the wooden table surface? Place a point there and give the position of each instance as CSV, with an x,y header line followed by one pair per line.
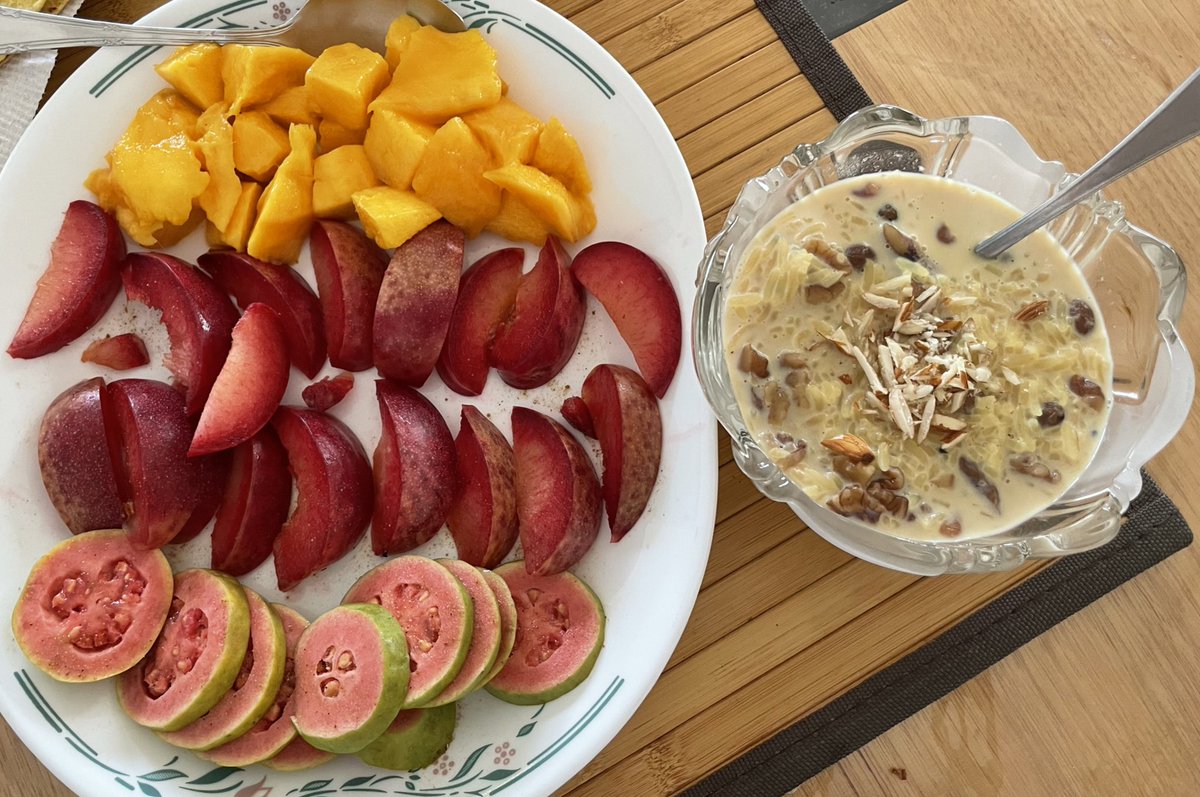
x,y
1106,703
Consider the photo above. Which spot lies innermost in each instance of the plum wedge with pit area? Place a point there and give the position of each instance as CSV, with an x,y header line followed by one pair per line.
x,y
349,269
78,285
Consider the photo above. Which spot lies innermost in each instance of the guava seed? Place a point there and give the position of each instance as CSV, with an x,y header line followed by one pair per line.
x,y
179,646
533,594
345,662
331,687
97,607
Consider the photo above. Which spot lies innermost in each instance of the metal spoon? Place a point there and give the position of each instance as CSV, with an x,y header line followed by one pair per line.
x,y
319,24
1171,124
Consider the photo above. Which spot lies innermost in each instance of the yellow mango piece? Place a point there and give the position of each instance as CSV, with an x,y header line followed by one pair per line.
x,y
254,75
559,156
291,107
342,82
567,216
259,144
397,38
337,176
285,209
517,222
450,177
332,135
154,167
441,75
215,143
508,131
195,72
171,234
237,233
394,146
391,216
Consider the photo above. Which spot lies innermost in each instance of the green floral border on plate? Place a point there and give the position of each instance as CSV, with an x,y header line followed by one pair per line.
x,y
471,778
477,14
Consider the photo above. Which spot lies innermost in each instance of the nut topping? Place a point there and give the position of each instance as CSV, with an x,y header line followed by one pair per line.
x,y
851,447
752,362
900,243
1032,310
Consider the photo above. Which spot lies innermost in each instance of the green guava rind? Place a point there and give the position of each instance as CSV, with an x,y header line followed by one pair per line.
x,y
508,621
259,744
350,733
47,647
433,670
485,633
238,711
525,685
415,739
224,603
297,755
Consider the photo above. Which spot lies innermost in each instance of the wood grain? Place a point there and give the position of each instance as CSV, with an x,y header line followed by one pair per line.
x,y
784,622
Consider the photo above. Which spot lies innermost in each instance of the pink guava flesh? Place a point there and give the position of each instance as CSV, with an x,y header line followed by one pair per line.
x,y
92,607
297,755
274,731
485,633
337,688
508,621
179,647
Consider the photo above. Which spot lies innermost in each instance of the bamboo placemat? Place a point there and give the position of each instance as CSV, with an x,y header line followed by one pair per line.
x,y
785,623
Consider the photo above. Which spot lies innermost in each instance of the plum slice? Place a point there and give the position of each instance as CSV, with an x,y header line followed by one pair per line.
x,y
279,287
333,484
414,470
254,505
560,631
637,294
483,516
196,658
73,454
576,413
558,494
118,352
415,301
628,426
349,268
486,294
78,285
198,315
538,338
92,607
328,392
352,672
248,387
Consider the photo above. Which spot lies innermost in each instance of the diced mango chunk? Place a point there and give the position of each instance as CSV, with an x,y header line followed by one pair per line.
x,y
517,222
254,75
195,72
157,142
338,175
285,210
259,144
450,177
567,216
394,145
342,82
331,135
391,216
508,131
291,107
237,233
397,38
559,156
215,143
441,75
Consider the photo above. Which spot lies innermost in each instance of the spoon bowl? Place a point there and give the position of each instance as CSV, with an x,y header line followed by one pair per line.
x,y
317,25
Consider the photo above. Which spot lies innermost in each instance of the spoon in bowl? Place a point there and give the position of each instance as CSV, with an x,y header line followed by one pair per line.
x,y
1173,122
317,25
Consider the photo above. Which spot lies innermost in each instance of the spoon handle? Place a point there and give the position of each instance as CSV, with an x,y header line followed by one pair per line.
x,y
1173,122
23,31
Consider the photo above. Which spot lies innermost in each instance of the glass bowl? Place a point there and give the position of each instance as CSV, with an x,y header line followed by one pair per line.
x,y
1138,280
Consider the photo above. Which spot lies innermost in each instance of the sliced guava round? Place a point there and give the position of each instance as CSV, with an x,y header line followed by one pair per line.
x,y
415,739
560,630
253,691
508,621
274,730
195,659
297,755
351,677
436,613
92,607
485,633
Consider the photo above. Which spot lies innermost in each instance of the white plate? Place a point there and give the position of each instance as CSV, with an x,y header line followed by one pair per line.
x,y
648,582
